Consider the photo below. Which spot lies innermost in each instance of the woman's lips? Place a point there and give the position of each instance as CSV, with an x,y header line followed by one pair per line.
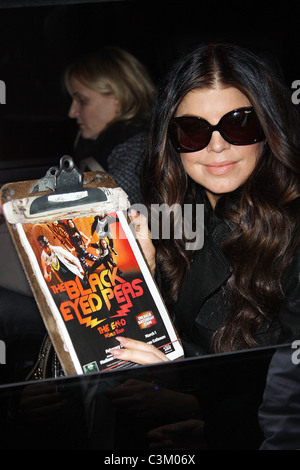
x,y
220,168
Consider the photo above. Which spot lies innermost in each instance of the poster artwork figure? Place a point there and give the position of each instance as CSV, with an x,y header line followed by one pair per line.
x,y
101,226
59,230
58,261
104,251
76,239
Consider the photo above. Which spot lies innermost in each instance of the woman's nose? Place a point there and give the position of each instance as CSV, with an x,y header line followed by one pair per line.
x,y
217,143
73,111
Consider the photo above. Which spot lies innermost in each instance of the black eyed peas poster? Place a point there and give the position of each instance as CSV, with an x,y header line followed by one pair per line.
x,y
97,287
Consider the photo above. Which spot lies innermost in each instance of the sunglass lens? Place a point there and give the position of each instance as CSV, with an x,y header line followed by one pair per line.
x,y
241,127
189,134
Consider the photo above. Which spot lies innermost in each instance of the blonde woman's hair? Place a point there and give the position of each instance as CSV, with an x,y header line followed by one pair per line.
x,y
114,71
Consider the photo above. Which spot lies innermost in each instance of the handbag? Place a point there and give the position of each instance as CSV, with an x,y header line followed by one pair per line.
x,y
47,364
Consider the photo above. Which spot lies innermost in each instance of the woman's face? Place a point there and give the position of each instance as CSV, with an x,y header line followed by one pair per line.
x,y
92,110
220,167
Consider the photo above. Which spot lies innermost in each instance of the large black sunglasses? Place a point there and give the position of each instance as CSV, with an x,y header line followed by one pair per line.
x,y
238,127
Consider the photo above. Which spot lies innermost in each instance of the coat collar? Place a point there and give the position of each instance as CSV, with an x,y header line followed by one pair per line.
x,y
209,270
101,148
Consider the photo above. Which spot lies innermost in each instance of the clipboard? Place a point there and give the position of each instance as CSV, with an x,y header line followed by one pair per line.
x,y
85,304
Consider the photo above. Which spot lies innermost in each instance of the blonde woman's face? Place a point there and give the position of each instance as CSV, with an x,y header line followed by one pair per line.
x,y
93,111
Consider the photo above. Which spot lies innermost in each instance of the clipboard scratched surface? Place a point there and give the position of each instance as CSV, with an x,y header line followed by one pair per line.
x,y
85,269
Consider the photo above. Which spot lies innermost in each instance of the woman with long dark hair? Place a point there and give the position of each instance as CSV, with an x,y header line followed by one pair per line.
x,y
225,134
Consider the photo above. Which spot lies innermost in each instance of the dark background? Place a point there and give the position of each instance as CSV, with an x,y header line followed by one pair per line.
x,y
39,38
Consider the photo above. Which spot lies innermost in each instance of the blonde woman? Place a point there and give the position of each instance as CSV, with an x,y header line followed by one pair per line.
x,y
112,96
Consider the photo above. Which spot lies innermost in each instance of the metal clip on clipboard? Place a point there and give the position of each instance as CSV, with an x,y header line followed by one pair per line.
x,y
66,182
69,193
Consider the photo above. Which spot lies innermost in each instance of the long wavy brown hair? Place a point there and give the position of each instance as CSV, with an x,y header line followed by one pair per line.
x,y
265,209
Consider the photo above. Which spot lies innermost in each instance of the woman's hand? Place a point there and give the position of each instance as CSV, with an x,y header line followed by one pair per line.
x,y
143,236
138,352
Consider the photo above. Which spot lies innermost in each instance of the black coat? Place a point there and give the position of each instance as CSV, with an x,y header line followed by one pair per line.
x,y
100,148
203,303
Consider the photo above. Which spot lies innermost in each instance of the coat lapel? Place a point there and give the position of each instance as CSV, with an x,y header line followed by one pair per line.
x,y
209,270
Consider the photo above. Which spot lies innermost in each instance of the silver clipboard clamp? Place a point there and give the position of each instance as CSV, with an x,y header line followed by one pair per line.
x,y
70,196
66,182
